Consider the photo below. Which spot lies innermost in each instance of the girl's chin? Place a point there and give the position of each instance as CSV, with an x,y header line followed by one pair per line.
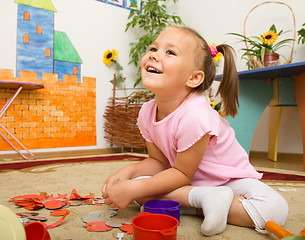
x,y
149,87
147,82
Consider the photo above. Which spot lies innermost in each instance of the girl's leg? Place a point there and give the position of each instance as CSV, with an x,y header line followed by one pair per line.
x,y
238,215
179,195
214,202
261,203
253,205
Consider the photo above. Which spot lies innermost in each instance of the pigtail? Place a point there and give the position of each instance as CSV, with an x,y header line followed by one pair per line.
x,y
229,85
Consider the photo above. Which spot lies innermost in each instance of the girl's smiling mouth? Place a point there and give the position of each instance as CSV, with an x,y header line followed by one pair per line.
x,y
153,70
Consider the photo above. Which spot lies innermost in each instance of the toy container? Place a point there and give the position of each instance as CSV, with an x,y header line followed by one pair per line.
x,y
154,226
168,207
37,231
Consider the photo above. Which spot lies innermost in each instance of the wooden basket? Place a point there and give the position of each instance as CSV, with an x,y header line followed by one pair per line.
x,y
121,120
256,63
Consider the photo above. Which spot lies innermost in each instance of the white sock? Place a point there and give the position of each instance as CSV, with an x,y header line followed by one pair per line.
x,y
215,203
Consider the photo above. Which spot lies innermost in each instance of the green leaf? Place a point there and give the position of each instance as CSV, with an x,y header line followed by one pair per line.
x,y
302,32
262,54
127,26
273,28
246,39
153,18
120,79
132,12
118,67
217,106
281,44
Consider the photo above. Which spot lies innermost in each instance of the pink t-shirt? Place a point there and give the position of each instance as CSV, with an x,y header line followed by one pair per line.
x,y
224,158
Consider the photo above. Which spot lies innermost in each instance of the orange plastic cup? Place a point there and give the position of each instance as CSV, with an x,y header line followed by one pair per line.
x,y
152,226
37,231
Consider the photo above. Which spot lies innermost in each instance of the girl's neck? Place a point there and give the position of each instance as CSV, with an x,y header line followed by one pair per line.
x,y
166,106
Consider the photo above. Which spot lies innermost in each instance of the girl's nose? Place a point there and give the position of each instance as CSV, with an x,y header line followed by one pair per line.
x,y
154,56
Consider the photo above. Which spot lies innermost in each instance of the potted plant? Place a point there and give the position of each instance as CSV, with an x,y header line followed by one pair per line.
x,y
301,34
261,50
121,113
151,20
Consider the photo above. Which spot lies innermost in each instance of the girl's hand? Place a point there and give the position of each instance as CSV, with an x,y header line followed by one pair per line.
x,y
122,174
120,194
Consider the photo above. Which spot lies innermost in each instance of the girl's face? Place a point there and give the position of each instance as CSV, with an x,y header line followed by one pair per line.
x,y
169,63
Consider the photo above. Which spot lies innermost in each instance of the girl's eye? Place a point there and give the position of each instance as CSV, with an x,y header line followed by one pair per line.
x,y
171,52
153,49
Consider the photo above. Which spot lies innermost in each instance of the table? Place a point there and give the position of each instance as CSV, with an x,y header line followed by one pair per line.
x,y
277,86
18,86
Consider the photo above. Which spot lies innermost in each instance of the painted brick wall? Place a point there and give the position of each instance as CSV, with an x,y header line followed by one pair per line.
x,y
62,114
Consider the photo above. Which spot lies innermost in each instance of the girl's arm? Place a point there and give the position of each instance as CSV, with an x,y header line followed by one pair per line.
x,y
168,180
155,163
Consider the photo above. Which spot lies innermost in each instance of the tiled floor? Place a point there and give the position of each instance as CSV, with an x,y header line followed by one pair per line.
x,y
285,161
288,162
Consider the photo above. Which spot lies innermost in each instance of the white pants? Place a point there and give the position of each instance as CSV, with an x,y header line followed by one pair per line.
x,y
261,202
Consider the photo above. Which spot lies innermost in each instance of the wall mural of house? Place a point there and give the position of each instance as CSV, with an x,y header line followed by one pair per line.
x,y
40,48
128,4
63,113
66,59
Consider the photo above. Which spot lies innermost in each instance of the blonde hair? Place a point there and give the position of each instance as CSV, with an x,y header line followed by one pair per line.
x,y
229,83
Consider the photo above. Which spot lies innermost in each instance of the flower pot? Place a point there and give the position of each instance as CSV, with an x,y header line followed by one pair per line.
x,y
271,59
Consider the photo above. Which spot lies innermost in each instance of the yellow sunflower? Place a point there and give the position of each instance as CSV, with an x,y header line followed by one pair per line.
x,y
269,38
221,113
110,56
213,104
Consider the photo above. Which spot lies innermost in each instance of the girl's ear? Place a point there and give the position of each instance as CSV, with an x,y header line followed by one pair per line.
x,y
196,79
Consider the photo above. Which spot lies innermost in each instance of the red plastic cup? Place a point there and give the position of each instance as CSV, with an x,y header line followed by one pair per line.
x,y
153,226
37,231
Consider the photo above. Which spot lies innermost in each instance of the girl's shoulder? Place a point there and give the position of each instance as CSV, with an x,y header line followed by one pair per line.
x,y
148,105
198,109
148,110
197,103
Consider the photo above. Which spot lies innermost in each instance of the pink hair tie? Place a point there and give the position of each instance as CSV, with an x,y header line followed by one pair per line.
x,y
213,50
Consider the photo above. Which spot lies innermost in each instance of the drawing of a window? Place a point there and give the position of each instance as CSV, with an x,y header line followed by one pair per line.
x,y
26,38
75,70
39,29
47,52
26,16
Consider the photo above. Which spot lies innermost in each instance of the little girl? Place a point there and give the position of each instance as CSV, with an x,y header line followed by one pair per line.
x,y
193,155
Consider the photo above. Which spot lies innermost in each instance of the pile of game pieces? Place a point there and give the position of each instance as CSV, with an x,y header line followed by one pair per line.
x,y
105,220
58,204
96,221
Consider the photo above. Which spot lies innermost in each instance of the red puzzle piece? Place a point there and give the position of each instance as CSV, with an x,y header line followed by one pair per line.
x,y
54,204
98,226
60,212
30,201
128,228
75,195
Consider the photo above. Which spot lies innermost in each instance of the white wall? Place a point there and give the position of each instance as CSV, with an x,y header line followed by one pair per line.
x,y
215,18
93,27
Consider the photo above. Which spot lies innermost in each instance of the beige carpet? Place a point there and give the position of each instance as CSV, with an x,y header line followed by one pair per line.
x,y
88,178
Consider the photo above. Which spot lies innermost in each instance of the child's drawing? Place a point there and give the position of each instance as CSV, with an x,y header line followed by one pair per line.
x,y
128,4
39,47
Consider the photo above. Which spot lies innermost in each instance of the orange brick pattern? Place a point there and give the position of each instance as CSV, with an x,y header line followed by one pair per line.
x,y
62,114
